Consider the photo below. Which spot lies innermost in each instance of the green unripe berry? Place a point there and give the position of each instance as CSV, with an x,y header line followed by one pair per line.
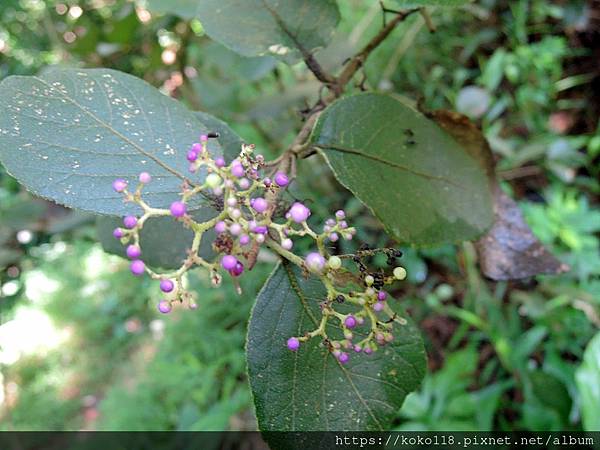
x,y
334,262
213,180
399,273
369,280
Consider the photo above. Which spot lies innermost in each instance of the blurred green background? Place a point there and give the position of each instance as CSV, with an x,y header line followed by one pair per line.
x,y
81,344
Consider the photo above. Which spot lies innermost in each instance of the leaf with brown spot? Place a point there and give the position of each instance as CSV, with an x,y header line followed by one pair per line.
x,y
509,250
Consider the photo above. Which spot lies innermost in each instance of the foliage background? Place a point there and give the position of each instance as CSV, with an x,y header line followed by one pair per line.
x,y
81,346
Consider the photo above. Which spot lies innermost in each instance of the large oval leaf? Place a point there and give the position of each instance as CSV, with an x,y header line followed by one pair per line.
x,y
67,134
416,179
261,27
309,389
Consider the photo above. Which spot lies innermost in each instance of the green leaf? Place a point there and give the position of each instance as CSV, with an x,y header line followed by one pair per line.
x,y
261,27
188,9
588,384
66,135
421,3
309,389
423,186
230,142
159,251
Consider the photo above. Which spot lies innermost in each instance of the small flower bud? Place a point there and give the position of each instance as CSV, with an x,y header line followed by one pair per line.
x,y
400,273
369,280
334,262
213,180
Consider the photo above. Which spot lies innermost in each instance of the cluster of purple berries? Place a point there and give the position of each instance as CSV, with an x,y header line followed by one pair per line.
x,y
372,309
249,194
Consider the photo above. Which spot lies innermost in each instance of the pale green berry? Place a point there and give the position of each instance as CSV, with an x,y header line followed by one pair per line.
x,y
213,180
400,273
334,262
369,280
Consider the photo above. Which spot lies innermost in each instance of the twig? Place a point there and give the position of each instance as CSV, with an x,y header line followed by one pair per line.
x,y
359,59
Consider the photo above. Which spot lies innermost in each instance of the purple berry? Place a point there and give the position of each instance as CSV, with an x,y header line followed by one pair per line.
x,y
237,270
340,214
119,185
164,307
298,212
133,251
381,296
192,156
260,205
166,286
333,237
229,262
220,227
357,348
378,306
145,178
118,233
314,262
178,209
343,357
244,183
368,350
130,222
281,179
244,239
293,344
261,229
350,322
220,162
137,267
237,170
204,138
267,182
